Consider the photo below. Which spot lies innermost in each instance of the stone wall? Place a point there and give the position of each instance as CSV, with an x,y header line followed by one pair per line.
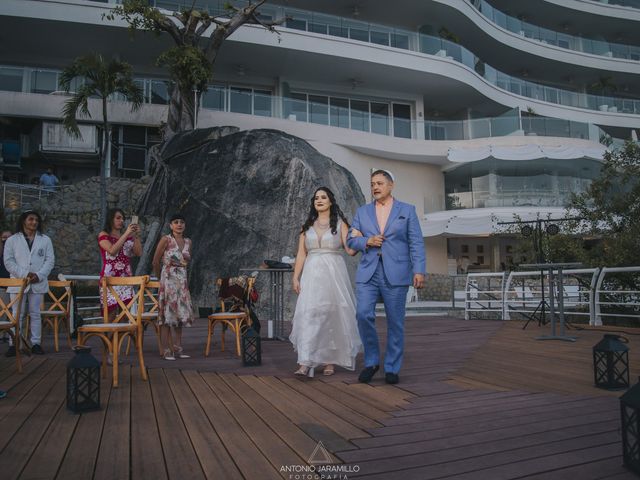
x,y
438,287
71,220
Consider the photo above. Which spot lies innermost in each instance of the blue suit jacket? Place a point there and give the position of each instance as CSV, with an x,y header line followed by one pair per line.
x,y
402,250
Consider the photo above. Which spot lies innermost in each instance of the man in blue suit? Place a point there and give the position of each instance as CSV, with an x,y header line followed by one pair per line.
x,y
387,232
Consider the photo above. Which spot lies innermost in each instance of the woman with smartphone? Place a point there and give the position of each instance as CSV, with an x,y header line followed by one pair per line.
x,y
116,249
174,301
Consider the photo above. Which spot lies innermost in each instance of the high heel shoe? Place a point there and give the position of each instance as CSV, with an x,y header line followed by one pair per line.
x,y
329,370
178,352
305,371
168,355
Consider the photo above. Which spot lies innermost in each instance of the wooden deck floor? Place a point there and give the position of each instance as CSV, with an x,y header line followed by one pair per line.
x,y
477,400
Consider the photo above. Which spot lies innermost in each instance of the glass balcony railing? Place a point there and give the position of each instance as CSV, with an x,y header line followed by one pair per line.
x,y
370,115
622,3
403,39
551,37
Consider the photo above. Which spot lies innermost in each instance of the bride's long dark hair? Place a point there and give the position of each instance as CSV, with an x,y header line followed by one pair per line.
x,y
334,212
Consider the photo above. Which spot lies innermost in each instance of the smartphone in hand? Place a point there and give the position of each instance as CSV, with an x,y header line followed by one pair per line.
x,y
134,219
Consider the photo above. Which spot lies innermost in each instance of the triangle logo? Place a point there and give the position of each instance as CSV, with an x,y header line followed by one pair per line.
x,y
320,455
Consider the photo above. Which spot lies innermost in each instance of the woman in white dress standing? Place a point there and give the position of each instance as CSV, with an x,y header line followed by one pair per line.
x,y
324,324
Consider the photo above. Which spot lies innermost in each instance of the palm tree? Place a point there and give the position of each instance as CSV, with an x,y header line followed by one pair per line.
x,y
101,79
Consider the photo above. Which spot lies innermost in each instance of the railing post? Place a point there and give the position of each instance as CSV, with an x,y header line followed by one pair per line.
x,y
453,291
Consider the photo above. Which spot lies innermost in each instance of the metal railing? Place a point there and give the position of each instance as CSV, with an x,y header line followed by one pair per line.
x,y
625,302
586,292
558,39
346,28
524,293
16,196
484,294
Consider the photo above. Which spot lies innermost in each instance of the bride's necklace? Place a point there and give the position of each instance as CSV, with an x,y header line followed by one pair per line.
x,y
323,226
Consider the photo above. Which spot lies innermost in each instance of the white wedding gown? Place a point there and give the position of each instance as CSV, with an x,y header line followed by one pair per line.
x,y
324,324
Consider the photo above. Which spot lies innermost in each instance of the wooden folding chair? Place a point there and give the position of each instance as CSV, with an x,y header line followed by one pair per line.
x,y
8,321
235,320
150,313
56,309
126,324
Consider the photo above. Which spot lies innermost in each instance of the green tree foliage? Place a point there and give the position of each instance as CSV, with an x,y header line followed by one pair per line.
x,y
99,78
191,61
610,211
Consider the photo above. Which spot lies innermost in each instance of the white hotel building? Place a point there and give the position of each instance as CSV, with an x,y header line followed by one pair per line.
x,y
481,108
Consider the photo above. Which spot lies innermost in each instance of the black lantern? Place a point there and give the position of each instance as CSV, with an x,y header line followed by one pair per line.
x,y
83,381
630,415
611,363
251,348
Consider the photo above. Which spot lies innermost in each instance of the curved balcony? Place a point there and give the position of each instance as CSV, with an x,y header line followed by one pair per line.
x,y
530,183
550,37
622,3
371,115
403,39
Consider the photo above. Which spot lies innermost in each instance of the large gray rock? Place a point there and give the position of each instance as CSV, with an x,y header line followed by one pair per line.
x,y
245,196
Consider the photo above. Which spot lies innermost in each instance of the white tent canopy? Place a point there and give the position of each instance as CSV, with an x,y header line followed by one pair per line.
x,y
523,152
481,221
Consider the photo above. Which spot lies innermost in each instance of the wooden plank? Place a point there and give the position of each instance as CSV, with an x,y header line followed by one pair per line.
x,y
28,406
341,392
9,376
296,438
459,448
46,459
286,395
115,448
215,461
17,451
181,459
332,404
32,375
250,461
80,458
507,464
587,471
271,446
451,427
300,415
376,396
397,392
147,460
461,438
532,402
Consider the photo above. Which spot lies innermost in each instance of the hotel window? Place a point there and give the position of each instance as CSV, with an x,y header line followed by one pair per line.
x,y
337,31
380,118
43,81
296,24
319,109
240,100
400,41
297,109
214,98
159,92
262,103
11,79
401,120
380,38
360,115
359,34
339,112
318,28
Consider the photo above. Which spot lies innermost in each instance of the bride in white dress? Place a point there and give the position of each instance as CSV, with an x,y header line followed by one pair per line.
x,y
324,324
